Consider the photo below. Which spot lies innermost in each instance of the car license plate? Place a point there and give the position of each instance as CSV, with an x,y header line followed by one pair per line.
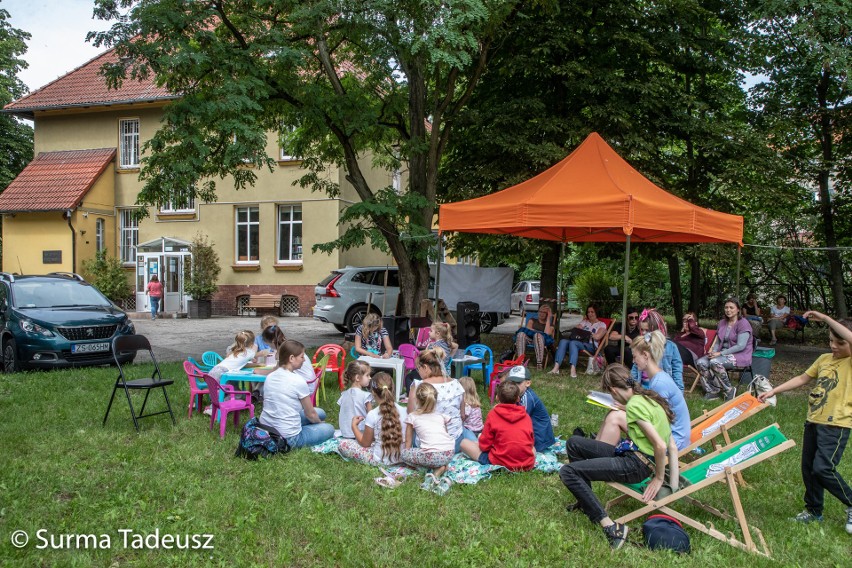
x,y
89,347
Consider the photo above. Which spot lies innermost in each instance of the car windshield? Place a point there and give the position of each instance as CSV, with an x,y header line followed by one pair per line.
x,y
56,294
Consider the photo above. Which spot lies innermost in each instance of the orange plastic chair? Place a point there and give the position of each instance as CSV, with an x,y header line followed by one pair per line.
x,y
336,360
494,379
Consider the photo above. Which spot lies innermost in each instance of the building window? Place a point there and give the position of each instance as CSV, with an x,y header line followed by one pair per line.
x,y
396,181
129,234
128,143
181,202
248,231
100,242
285,143
289,233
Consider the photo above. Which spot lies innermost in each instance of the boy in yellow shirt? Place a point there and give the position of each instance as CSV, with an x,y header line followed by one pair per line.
x,y
829,420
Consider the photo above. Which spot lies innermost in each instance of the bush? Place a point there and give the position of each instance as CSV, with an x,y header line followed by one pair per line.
x,y
592,287
107,275
202,275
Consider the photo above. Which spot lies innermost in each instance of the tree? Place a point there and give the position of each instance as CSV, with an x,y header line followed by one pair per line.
x,y
201,276
342,82
106,273
804,49
16,138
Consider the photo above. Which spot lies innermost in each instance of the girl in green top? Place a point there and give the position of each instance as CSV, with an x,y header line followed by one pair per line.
x,y
649,426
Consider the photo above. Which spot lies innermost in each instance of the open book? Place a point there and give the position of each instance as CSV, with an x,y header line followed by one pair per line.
x,y
602,399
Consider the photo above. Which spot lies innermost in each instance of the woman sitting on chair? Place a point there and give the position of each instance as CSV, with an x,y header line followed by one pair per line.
x,y
537,332
596,330
690,340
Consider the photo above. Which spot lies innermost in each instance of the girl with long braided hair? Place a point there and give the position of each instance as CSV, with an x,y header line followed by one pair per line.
x,y
381,441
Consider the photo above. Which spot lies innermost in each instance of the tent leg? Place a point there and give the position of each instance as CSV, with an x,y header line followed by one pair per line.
x,y
624,294
739,262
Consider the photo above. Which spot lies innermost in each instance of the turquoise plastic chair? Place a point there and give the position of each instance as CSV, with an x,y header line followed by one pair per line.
x,y
204,368
211,358
481,352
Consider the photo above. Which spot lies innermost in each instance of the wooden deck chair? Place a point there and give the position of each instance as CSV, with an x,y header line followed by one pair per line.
x,y
712,424
604,340
709,339
719,466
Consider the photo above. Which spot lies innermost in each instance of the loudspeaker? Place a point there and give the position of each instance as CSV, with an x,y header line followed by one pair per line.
x,y
398,328
467,318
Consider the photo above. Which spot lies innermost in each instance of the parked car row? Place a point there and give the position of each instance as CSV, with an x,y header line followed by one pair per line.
x,y
342,298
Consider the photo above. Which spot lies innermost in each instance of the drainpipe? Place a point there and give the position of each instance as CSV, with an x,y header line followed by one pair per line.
x,y
67,215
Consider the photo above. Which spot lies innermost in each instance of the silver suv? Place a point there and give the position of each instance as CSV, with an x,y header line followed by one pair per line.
x,y
342,297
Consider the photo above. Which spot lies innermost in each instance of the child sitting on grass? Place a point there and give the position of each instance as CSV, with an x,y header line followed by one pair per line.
x,y
829,420
542,428
354,402
437,446
507,438
382,437
472,407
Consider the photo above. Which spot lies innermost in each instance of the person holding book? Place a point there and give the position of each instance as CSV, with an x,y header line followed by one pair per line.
x,y
647,354
644,454
542,427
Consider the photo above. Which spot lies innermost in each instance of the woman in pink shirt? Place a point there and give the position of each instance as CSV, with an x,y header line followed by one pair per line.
x,y
155,292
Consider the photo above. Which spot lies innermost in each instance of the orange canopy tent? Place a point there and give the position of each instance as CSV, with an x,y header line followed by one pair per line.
x,y
593,195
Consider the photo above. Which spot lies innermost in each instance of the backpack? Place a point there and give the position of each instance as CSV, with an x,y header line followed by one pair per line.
x,y
760,385
258,441
663,531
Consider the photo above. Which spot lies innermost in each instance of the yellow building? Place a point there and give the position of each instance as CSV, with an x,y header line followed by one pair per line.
x,y
78,195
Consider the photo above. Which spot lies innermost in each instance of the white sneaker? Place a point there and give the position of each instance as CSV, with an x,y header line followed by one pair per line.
x,y
208,411
849,520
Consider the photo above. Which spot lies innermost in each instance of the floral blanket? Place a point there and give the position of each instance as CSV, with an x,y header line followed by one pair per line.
x,y
462,469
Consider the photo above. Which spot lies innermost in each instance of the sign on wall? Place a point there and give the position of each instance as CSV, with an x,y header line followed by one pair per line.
x,y
51,257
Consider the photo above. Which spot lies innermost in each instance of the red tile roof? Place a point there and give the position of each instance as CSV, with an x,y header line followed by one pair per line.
x,y
55,181
84,87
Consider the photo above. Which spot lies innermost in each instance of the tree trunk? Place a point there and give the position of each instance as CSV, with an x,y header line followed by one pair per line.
x,y
826,134
674,282
695,284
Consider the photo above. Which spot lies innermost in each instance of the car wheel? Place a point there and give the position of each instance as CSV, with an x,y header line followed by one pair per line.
x,y
10,357
340,328
486,322
355,316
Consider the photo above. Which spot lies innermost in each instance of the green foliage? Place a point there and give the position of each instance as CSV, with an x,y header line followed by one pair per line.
x,y
592,286
107,275
16,138
201,277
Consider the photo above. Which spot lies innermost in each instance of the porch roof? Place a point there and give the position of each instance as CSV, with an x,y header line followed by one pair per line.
x,y
55,181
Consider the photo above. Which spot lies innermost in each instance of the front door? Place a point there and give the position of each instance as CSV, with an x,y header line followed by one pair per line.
x,y
172,278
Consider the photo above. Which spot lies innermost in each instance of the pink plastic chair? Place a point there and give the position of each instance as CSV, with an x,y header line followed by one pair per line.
x,y
197,386
336,360
494,379
230,403
422,337
409,353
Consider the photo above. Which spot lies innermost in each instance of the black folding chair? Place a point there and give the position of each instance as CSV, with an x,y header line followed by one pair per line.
x,y
135,343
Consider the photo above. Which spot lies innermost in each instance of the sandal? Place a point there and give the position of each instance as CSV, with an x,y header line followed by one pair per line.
x,y
387,482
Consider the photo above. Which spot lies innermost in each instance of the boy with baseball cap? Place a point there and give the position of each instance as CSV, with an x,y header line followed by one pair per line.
x,y
542,429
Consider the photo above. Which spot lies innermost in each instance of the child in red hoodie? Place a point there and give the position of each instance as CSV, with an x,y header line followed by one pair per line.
x,y
507,438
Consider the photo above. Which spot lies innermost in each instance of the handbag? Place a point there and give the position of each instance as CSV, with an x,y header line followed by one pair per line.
x,y
578,334
760,385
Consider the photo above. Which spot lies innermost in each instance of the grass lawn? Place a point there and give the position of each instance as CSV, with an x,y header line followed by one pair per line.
x,y
64,473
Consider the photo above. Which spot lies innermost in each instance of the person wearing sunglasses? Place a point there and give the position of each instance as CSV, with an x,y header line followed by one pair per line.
x,y
612,351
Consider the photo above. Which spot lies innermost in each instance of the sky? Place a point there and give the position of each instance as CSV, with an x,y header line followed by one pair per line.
x,y
58,44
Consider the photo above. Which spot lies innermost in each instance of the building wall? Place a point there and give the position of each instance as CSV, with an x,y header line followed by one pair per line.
x,y
27,235
99,129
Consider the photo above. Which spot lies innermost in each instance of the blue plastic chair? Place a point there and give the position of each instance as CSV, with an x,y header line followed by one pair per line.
x,y
481,352
211,358
204,368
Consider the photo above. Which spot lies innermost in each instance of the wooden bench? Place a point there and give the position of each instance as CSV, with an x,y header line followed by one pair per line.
x,y
263,302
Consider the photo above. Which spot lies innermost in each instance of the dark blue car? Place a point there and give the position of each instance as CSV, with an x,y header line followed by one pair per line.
x,y
57,320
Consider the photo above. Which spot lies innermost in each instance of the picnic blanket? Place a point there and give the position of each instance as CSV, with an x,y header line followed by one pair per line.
x,y
462,469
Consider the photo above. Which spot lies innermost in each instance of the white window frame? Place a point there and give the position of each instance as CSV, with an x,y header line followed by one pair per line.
x,y
169,206
396,181
128,143
100,229
238,225
288,226
128,235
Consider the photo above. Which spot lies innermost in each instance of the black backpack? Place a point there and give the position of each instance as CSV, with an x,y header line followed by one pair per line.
x,y
260,441
663,531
